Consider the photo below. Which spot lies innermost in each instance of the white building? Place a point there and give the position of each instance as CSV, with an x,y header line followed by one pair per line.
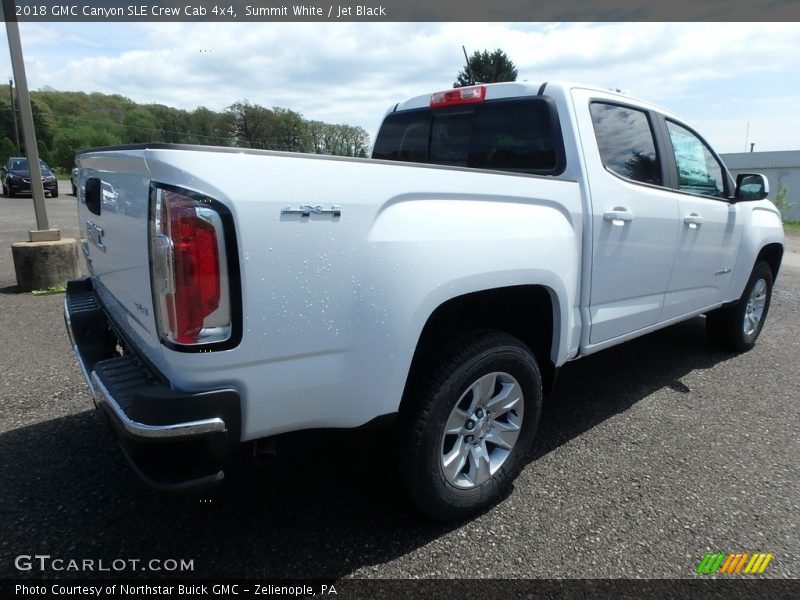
x,y
779,168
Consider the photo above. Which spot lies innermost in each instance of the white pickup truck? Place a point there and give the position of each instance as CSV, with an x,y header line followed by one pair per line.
x,y
497,232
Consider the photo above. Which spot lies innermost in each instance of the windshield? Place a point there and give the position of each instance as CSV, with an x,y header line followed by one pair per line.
x,y
21,164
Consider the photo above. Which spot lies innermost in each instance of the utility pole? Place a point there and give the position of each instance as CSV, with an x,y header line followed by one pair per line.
x,y
45,260
747,136
14,112
43,232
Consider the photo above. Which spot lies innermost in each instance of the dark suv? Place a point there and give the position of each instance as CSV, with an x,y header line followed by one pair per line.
x,y
17,178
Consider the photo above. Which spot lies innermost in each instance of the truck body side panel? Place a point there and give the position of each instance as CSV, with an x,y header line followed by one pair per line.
x,y
333,307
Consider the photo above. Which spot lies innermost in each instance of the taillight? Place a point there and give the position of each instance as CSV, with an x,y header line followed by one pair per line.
x,y
189,273
464,95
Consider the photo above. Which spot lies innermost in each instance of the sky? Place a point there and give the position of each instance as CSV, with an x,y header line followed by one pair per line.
x,y
721,77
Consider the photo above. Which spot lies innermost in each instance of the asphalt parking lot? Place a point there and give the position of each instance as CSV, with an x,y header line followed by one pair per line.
x,y
650,455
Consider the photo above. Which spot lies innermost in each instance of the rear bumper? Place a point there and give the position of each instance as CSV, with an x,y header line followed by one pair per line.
x,y
173,440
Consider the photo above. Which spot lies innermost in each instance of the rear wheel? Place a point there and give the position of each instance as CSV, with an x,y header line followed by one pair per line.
x,y
469,424
737,327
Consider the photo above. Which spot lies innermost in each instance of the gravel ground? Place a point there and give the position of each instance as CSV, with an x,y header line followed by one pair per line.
x,y
651,454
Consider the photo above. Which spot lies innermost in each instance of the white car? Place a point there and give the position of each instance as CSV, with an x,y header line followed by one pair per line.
x,y
496,233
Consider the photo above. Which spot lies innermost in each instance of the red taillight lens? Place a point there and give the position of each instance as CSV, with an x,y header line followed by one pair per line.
x,y
196,256
189,273
464,95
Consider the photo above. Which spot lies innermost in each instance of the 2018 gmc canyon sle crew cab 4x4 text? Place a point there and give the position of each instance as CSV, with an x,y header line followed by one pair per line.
x,y
497,232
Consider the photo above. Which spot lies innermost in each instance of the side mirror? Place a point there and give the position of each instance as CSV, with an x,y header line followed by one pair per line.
x,y
751,186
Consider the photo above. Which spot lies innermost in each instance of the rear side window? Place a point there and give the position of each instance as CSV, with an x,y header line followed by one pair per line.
x,y
625,140
505,135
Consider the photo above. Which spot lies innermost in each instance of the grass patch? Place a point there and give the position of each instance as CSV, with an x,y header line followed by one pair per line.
x,y
791,226
53,289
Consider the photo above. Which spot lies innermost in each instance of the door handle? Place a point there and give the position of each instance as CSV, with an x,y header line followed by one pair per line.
x,y
619,216
693,220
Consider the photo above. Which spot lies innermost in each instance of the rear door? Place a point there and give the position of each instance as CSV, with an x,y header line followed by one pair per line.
x,y
634,232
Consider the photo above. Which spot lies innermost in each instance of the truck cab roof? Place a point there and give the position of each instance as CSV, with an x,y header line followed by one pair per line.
x,y
512,89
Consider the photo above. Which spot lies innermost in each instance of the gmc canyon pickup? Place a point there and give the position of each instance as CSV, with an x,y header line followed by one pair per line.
x,y
495,233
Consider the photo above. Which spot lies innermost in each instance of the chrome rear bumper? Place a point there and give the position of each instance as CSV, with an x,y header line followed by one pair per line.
x,y
174,440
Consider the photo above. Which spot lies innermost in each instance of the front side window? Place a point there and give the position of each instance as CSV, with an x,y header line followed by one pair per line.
x,y
698,171
626,144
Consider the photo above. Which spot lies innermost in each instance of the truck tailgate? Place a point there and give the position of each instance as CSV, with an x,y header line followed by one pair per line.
x,y
114,239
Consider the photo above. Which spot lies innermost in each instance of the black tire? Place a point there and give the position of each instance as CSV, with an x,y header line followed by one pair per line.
x,y
443,388
9,192
54,194
74,189
726,326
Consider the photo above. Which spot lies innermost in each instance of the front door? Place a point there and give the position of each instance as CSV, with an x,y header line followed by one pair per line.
x,y
710,231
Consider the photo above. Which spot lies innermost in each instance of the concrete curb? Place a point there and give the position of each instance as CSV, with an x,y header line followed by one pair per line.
x,y
41,265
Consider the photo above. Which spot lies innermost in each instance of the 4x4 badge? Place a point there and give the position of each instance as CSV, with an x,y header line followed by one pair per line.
x,y
306,210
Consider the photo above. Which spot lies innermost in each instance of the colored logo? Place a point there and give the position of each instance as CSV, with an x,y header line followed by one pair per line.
x,y
739,562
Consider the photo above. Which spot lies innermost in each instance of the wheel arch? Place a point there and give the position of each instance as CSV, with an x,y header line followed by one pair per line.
x,y
528,312
772,254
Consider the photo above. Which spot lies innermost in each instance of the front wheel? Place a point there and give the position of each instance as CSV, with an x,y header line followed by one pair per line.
x,y
466,429
737,327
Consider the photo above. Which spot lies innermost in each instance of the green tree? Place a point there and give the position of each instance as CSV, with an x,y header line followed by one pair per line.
x,y
7,149
44,122
487,67
316,135
141,126
68,141
7,120
209,127
44,152
355,141
175,124
69,121
252,124
782,203
290,132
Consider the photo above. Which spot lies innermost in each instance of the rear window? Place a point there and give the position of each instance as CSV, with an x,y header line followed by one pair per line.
x,y
506,135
